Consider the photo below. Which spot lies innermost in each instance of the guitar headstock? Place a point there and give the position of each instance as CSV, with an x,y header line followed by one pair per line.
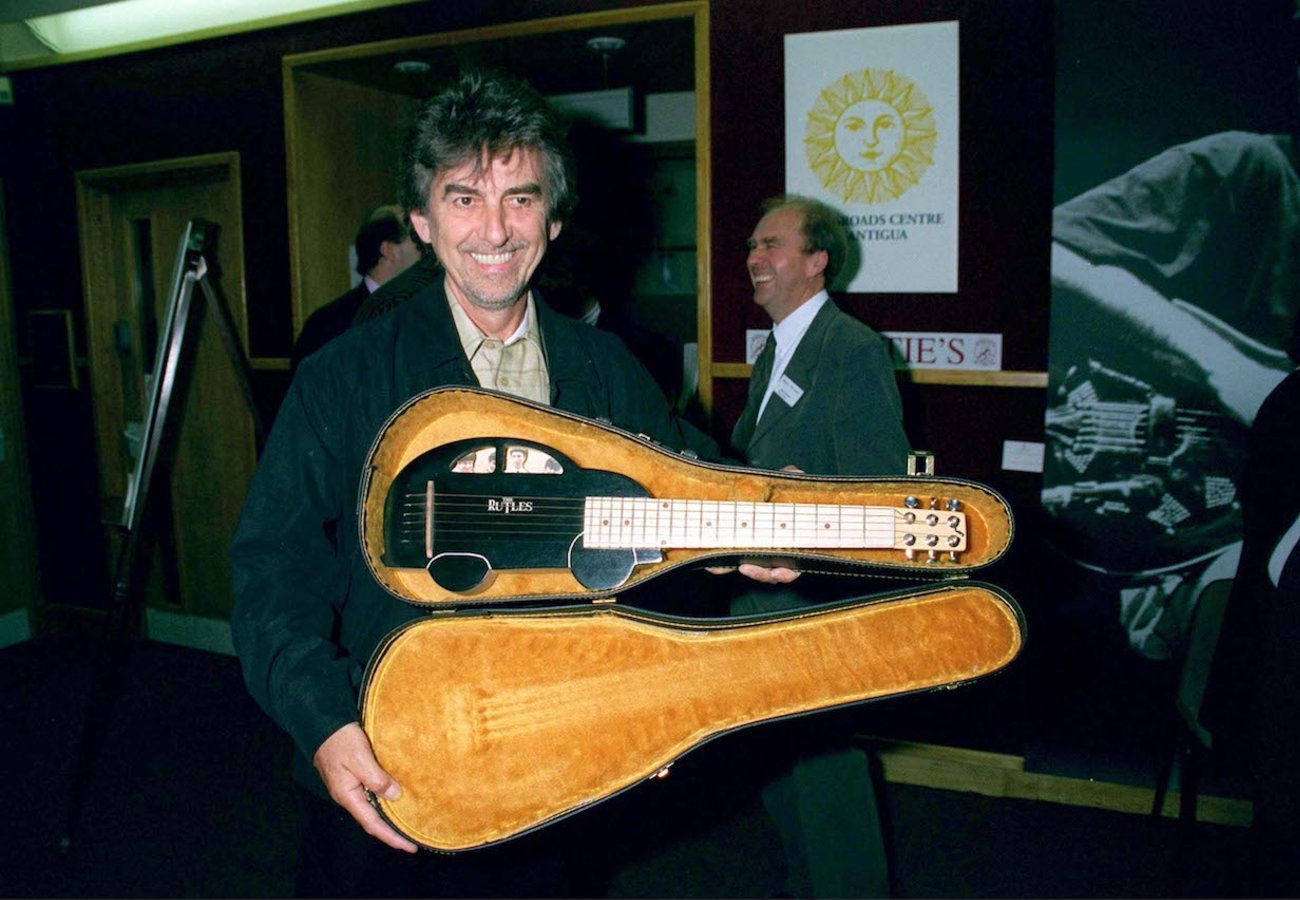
x,y
931,526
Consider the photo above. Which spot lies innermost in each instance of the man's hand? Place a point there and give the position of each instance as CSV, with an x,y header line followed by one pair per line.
x,y
348,766
772,575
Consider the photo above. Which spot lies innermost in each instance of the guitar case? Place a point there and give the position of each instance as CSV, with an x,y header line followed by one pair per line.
x,y
529,693
412,501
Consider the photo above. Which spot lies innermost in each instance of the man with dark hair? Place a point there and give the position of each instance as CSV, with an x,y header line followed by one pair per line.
x,y
823,399
487,183
823,229
384,249
487,113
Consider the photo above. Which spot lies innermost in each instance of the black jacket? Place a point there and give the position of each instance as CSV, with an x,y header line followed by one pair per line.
x,y
327,323
849,418
308,614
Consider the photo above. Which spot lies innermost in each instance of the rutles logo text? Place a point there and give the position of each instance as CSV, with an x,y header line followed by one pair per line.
x,y
509,505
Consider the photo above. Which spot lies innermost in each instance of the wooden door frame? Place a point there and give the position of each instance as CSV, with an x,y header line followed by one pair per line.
x,y
95,191
22,585
100,195
295,66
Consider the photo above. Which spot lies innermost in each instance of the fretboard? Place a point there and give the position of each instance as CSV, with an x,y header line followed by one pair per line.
x,y
630,522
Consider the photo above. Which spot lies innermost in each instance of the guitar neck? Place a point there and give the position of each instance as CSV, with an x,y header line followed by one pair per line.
x,y
637,522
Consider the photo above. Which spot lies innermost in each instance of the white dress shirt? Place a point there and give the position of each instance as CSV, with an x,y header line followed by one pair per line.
x,y
788,333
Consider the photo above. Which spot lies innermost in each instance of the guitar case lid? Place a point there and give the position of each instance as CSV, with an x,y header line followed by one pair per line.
x,y
498,722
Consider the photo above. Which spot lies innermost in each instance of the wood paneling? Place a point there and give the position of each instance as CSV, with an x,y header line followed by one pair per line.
x,y
210,453
17,543
343,146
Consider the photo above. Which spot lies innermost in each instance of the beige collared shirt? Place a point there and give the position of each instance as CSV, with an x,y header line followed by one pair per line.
x,y
516,365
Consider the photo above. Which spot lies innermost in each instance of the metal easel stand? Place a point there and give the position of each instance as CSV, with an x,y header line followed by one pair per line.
x,y
122,621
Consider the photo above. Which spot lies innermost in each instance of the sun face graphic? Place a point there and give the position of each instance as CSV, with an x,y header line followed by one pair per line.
x,y
870,136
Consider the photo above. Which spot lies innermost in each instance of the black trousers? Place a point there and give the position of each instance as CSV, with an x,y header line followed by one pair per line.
x,y
817,786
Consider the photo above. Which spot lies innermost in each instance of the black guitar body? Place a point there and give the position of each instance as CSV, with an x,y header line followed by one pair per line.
x,y
470,507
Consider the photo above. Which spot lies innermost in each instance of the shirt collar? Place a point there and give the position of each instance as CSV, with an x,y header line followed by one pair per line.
x,y
472,337
790,330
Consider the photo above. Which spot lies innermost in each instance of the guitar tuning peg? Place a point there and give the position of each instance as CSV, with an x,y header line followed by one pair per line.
x,y
933,556
952,556
934,503
953,504
911,502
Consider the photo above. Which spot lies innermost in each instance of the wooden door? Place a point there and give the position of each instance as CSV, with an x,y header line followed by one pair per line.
x,y
131,221
17,546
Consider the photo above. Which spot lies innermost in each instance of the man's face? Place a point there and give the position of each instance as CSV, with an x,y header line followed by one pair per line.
x,y
783,275
489,230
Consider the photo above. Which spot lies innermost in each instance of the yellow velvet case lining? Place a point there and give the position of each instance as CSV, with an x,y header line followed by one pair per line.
x,y
445,415
495,723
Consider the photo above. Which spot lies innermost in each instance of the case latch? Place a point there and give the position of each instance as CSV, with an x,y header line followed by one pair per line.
x,y
920,462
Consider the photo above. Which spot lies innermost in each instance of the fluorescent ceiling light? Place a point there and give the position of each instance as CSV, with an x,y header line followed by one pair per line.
x,y
141,21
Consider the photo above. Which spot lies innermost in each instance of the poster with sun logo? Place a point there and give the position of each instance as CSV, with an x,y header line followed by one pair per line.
x,y
871,127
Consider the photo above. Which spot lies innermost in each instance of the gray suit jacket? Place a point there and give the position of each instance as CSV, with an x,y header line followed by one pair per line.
x,y
849,419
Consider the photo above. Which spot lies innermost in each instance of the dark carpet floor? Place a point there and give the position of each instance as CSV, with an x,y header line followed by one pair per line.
x,y
189,795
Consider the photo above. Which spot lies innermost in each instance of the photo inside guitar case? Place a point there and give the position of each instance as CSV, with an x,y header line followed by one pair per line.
x,y
535,694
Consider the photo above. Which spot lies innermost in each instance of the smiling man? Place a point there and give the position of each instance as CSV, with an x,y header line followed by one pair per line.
x,y
822,374
487,185
487,223
822,398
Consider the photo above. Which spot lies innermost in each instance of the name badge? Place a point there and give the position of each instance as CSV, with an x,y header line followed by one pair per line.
x,y
788,391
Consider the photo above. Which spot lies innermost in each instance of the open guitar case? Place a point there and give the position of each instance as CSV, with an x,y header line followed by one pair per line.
x,y
530,693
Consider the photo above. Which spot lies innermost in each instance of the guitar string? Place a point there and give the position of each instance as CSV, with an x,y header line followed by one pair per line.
x,y
810,520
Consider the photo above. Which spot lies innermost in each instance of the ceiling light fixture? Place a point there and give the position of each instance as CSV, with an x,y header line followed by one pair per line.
x,y
606,46
412,66
126,23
